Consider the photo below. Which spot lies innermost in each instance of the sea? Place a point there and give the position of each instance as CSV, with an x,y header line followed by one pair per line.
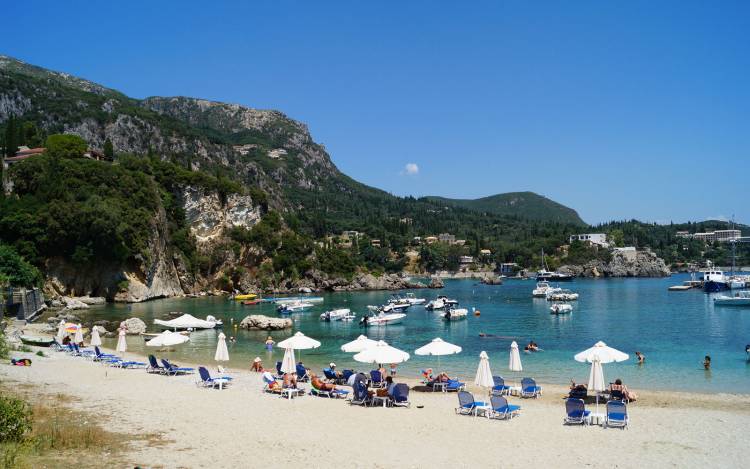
x,y
674,330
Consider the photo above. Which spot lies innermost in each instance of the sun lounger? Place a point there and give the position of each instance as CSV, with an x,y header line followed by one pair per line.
x,y
501,409
331,376
207,381
454,385
130,364
376,379
575,412
400,396
105,357
500,388
336,393
173,370
467,405
530,389
346,374
279,373
302,375
579,392
153,366
617,414
360,395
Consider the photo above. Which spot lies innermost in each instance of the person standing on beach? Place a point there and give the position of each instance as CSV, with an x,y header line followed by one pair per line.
x,y
393,369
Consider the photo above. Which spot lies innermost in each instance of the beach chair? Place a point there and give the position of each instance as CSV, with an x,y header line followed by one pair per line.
x,y
579,392
400,396
467,405
360,395
336,393
107,358
130,364
268,380
346,374
205,379
173,370
501,409
500,388
454,385
617,414
302,375
279,373
153,366
530,389
331,375
575,412
376,379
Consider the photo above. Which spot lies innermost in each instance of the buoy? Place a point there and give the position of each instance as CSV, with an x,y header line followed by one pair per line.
x,y
476,313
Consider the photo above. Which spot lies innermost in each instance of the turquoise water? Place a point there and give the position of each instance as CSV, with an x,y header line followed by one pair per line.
x,y
673,329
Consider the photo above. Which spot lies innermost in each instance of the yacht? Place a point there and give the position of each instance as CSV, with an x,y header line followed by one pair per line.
x,y
382,319
541,290
413,300
335,315
399,302
441,302
546,275
560,294
739,299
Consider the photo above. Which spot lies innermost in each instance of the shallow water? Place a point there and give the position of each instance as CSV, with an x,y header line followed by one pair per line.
x,y
673,329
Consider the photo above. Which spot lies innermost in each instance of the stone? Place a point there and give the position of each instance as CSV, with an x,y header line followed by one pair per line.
x,y
133,326
260,322
92,300
74,303
436,282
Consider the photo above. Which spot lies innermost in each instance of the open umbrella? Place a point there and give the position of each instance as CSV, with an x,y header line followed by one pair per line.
x,y
70,327
299,341
96,341
222,354
288,364
360,343
381,353
514,363
601,350
61,330
122,346
78,338
438,347
484,374
165,339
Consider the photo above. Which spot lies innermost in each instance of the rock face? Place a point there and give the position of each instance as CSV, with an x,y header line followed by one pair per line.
x,y
74,303
638,264
133,326
265,323
92,300
436,282
491,280
361,281
208,217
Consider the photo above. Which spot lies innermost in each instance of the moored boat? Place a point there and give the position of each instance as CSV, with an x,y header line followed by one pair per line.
x,y
335,315
293,307
541,290
455,314
246,296
560,308
37,341
739,299
188,321
560,294
382,319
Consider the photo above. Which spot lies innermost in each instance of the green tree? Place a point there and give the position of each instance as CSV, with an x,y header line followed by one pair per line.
x,y
15,271
109,150
11,137
66,146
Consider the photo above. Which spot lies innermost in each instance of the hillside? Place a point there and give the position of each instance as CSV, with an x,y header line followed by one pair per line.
x,y
518,204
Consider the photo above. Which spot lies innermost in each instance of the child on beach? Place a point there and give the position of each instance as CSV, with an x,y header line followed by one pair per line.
x,y
257,365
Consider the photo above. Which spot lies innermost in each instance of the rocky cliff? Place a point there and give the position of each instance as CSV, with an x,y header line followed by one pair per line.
x,y
622,264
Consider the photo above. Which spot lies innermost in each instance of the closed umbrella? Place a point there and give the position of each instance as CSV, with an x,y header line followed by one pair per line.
x,y
61,330
360,343
165,339
79,335
438,347
122,346
484,374
222,354
288,364
381,353
96,341
514,363
596,379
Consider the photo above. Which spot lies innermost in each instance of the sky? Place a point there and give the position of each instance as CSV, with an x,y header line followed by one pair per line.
x,y
619,110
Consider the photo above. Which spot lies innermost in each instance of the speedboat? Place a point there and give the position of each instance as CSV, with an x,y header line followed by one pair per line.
x,y
441,302
413,300
739,299
188,321
560,308
247,296
335,315
739,281
382,319
455,314
541,290
398,302
562,295
389,308
293,307
296,299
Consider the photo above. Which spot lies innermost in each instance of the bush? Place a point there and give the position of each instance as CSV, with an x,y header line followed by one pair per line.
x,y
15,419
66,146
4,349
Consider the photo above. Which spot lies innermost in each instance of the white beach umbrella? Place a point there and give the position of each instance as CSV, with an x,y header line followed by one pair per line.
x,y
96,341
514,364
299,341
360,343
605,354
596,379
166,339
288,364
61,330
79,334
222,354
484,374
122,345
438,347
381,353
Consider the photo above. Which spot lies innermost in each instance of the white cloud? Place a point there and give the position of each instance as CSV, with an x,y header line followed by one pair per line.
x,y
411,169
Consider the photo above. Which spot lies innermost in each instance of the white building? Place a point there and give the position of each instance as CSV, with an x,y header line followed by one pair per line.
x,y
718,235
592,238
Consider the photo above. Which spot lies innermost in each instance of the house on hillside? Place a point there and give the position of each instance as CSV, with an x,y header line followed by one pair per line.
x,y
447,238
598,239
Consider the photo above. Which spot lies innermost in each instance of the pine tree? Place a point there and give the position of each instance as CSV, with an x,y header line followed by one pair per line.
x,y
11,145
109,150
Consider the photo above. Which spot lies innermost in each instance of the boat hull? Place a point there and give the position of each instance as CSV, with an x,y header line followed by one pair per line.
x,y
712,286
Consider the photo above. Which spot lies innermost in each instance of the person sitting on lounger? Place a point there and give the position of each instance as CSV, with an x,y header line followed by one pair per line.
x,y
319,384
273,385
427,375
338,374
257,365
66,340
290,380
387,390
442,378
626,393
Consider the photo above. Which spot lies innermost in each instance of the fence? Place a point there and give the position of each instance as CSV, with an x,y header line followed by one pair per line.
x,y
24,303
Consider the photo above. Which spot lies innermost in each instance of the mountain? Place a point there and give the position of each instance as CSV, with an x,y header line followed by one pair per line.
x,y
519,204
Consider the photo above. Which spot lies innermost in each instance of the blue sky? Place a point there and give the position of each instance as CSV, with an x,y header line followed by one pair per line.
x,y
617,109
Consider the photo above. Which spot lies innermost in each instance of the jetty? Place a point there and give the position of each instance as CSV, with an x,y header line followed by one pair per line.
x,y
687,285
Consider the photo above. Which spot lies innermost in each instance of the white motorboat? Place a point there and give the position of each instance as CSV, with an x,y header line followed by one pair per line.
x,y
294,307
541,290
188,321
413,300
295,299
400,302
560,294
441,302
560,308
455,314
741,298
382,319
335,315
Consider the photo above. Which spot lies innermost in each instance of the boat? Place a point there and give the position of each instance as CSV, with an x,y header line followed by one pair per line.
x,y
188,321
250,302
455,314
37,341
741,298
714,281
441,302
541,290
413,300
246,296
560,308
149,335
294,299
335,315
399,302
561,294
738,281
389,308
545,275
293,307
382,319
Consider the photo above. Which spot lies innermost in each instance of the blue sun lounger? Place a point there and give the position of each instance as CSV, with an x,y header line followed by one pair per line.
x,y
376,379
467,405
153,366
400,397
173,370
501,409
500,388
575,412
530,389
336,393
207,381
360,396
617,414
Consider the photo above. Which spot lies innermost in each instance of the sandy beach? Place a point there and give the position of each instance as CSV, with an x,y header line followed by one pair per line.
x,y
243,427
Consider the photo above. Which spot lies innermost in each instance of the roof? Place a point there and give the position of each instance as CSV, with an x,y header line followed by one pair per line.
x,y
30,151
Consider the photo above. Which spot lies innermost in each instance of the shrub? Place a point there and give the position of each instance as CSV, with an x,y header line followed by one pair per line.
x,y
15,419
4,349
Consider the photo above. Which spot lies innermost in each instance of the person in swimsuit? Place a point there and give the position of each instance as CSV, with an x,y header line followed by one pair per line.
x,y
627,394
707,362
269,343
290,380
318,383
640,357
257,365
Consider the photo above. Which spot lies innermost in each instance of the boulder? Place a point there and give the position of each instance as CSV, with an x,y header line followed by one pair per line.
x,y
133,326
92,300
102,330
491,280
436,282
265,323
74,303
